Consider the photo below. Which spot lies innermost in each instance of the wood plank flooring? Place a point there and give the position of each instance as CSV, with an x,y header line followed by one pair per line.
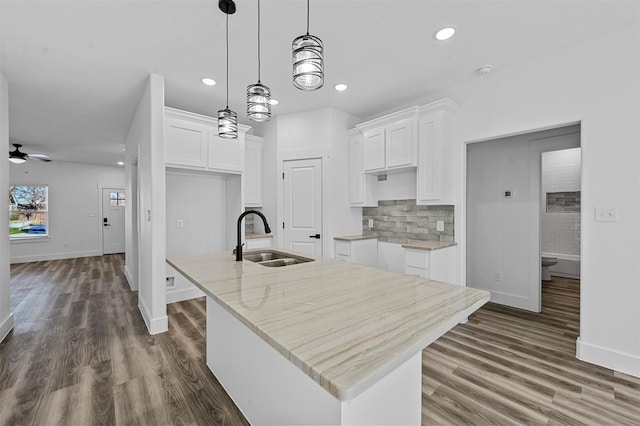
x,y
508,366
80,354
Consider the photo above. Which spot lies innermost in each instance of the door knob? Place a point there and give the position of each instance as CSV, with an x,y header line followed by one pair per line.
x,y
317,236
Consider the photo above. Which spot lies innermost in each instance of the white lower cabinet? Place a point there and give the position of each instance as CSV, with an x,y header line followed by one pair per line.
x,y
361,251
438,265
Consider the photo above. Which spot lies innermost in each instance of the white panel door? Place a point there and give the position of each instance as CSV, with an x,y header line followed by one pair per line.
x,y
113,202
303,206
373,150
399,144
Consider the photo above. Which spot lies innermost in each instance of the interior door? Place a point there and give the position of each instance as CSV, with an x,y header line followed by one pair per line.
x,y
303,206
113,202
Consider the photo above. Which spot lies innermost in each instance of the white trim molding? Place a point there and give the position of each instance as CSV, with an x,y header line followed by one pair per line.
x,y
6,326
127,274
608,358
154,325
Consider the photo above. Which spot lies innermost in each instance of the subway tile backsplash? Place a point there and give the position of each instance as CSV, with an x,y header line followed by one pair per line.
x,y
396,221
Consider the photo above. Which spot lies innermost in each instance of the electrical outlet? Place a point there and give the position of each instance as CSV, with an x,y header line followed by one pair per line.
x,y
171,282
440,225
179,223
370,223
497,276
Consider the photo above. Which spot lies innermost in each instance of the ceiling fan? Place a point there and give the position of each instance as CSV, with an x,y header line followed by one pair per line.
x,y
18,157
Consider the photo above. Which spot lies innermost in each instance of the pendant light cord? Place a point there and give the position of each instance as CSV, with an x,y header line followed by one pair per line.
x,y
258,41
227,61
307,17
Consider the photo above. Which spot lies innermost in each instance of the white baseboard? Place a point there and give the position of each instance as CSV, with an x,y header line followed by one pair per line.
x,y
6,326
604,357
132,283
55,256
154,325
174,296
512,300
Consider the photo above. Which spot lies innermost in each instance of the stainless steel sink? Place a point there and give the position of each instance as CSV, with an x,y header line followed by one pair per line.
x,y
274,259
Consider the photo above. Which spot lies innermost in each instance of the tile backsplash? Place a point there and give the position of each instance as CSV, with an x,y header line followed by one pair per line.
x,y
396,221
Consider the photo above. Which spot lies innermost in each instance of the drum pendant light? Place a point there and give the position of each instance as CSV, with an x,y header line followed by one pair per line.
x,y
258,95
227,119
308,60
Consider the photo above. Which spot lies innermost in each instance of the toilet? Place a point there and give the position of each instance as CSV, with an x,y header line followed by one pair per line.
x,y
546,262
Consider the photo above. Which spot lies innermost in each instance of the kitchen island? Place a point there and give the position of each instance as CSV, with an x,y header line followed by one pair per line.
x,y
322,342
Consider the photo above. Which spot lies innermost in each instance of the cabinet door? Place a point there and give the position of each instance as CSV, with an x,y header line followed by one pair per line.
x,y
356,173
185,142
400,145
373,150
253,173
429,173
225,154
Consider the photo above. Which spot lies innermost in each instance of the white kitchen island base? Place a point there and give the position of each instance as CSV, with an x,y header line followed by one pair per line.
x,y
269,389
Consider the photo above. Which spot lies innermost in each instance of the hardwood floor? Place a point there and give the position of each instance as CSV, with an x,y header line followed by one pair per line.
x,y
507,366
80,354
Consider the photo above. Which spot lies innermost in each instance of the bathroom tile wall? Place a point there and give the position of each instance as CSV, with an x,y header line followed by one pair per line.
x,y
561,229
396,221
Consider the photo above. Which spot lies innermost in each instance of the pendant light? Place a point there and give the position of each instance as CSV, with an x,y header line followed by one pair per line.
x,y
258,95
227,119
308,60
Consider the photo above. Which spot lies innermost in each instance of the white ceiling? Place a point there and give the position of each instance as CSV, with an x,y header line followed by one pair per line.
x,y
76,69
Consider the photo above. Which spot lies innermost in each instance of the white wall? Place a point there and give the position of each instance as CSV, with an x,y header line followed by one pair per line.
x,y
560,230
313,134
196,223
594,82
6,316
75,208
503,234
146,138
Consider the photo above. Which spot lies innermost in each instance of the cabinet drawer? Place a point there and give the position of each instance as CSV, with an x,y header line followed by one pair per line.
x,y
343,258
417,258
410,270
343,248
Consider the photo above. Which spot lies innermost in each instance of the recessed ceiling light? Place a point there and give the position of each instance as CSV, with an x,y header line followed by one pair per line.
x,y
445,33
209,81
274,101
120,163
340,87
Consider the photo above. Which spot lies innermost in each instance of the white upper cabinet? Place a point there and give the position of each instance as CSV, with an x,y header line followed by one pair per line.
x,y
253,187
185,142
362,187
418,139
225,154
400,147
435,152
390,142
191,141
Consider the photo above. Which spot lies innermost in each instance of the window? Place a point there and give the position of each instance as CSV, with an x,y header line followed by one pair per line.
x,y
116,199
28,211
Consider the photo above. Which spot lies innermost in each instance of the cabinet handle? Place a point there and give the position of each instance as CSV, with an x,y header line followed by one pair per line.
x,y
317,236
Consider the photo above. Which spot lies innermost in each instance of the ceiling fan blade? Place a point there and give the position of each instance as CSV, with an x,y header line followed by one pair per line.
x,y
42,157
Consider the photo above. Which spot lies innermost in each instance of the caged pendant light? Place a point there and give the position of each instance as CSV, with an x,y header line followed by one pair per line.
x,y
227,119
258,95
308,60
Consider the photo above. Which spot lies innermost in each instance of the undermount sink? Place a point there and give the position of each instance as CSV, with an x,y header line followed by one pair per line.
x,y
273,258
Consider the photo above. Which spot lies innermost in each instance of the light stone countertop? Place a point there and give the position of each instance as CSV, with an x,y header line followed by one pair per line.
x,y
428,245
356,237
344,325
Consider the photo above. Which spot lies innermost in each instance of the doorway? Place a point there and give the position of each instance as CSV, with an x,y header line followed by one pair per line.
x,y
113,206
302,184
504,207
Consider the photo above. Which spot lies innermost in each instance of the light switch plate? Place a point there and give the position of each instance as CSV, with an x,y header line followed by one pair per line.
x,y
370,223
606,214
440,225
